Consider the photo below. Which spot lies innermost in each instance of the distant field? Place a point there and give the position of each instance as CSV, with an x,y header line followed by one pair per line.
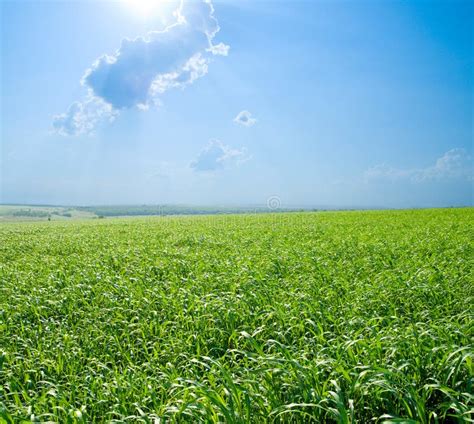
x,y
42,213
62,213
303,317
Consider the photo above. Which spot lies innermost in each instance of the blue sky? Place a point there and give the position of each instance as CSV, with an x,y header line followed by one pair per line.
x,y
321,103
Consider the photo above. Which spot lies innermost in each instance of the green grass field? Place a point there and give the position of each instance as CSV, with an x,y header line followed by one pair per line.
x,y
302,317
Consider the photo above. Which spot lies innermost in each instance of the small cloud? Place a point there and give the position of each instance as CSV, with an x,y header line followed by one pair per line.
x,y
216,155
83,117
454,164
245,118
145,67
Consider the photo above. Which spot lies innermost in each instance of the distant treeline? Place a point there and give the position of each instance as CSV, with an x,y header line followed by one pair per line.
x,y
31,213
34,213
171,210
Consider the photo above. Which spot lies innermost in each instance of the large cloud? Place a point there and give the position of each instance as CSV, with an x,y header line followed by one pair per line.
x,y
216,155
454,164
143,68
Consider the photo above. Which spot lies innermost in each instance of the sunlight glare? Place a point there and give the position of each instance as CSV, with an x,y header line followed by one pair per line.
x,y
144,7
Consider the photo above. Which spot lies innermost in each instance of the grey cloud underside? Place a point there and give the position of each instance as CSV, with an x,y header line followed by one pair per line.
x,y
143,68
125,81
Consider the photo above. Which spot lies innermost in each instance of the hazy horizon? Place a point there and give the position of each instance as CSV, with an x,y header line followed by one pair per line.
x,y
216,206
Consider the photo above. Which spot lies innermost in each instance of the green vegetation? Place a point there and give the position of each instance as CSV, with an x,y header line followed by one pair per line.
x,y
30,213
42,213
55,213
164,210
303,317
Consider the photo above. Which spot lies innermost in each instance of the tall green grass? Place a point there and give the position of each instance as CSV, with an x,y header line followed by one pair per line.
x,y
313,317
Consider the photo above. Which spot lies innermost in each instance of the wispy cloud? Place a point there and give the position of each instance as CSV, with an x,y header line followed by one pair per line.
x,y
454,164
162,171
216,155
145,67
245,118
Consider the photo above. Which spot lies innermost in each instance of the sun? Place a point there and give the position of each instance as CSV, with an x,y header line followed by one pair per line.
x,y
144,7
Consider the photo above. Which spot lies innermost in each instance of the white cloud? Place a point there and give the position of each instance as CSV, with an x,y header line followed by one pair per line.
x,y
196,67
145,67
245,118
454,164
220,49
216,155
82,117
